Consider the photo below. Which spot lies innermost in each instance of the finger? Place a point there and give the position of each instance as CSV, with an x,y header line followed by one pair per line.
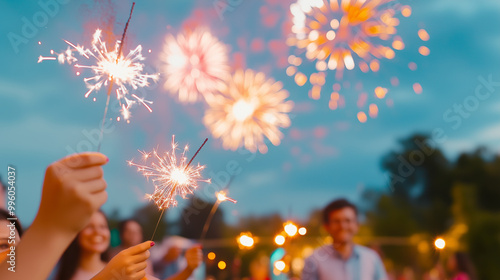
x,y
88,174
138,267
137,249
94,186
83,160
138,276
141,257
98,199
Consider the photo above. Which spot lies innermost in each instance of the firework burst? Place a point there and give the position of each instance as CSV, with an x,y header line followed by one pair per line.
x,y
250,108
195,65
171,175
337,33
110,67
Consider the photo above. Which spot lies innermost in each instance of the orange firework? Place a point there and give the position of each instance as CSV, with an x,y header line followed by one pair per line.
x,y
250,108
336,33
171,176
195,65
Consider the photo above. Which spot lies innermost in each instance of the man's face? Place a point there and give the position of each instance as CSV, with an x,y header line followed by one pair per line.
x,y
342,225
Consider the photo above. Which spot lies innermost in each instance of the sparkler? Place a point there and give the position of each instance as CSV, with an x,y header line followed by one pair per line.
x,y
250,108
171,176
195,64
221,196
110,68
334,32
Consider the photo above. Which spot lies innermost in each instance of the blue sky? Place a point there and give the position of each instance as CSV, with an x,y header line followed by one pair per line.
x,y
324,154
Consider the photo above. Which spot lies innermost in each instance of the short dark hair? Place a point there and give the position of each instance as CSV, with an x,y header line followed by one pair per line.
x,y
337,205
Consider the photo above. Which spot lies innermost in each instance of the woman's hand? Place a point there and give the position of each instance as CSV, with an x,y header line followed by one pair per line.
x,y
73,189
129,264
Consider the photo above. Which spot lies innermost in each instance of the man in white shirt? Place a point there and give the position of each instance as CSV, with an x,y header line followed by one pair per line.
x,y
343,260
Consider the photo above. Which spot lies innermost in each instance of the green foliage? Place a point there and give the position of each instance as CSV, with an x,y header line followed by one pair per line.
x,y
434,196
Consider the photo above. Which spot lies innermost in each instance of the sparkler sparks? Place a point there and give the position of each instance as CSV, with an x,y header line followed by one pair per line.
x,y
171,175
332,31
110,67
249,108
195,64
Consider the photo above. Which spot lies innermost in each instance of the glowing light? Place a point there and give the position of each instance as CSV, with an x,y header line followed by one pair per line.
x,y
279,239
245,240
290,229
440,243
302,231
195,64
171,175
423,35
424,51
380,92
211,256
333,31
417,88
362,117
221,265
221,196
280,265
249,109
110,67
39,42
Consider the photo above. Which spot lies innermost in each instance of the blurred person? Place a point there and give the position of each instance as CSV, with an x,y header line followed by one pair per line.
x,y
7,239
460,266
168,260
87,256
72,187
131,234
343,260
259,268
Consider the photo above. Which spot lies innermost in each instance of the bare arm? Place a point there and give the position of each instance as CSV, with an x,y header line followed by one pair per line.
x,y
73,190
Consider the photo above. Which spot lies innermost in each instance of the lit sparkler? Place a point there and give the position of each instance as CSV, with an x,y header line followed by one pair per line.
x,y
250,108
221,197
126,72
195,65
334,32
171,175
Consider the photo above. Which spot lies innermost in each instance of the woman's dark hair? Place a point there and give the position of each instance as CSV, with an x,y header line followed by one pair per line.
x,y
71,258
465,265
337,205
4,215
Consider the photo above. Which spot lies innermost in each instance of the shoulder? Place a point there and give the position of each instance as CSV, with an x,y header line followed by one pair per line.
x,y
320,253
368,253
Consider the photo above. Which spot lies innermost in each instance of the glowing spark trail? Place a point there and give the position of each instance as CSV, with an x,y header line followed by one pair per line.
x,y
110,68
171,175
250,108
195,65
332,31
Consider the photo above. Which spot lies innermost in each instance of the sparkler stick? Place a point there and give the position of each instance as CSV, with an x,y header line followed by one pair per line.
x,y
112,79
221,196
185,168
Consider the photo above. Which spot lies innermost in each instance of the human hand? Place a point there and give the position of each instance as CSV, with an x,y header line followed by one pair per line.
x,y
172,254
73,189
129,264
194,257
